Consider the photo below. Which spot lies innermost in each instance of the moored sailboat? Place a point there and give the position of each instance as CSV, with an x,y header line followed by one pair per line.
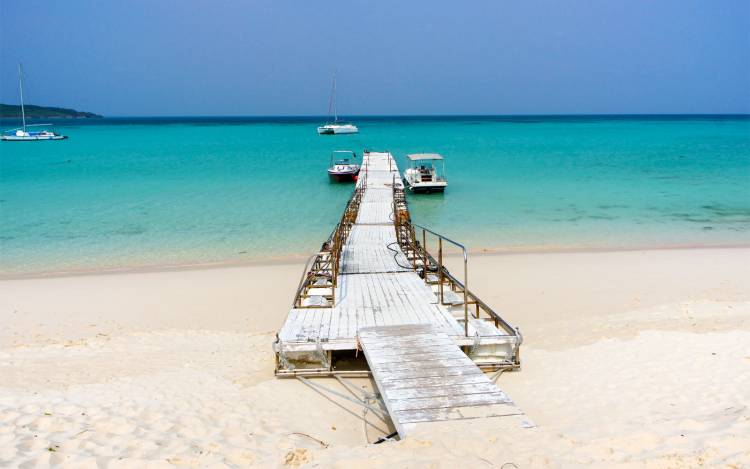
x,y
335,127
23,134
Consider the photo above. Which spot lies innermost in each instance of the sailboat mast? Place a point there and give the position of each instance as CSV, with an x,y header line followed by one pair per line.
x,y
335,114
332,99
20,89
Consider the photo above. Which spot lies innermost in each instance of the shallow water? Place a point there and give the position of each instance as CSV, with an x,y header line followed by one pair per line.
x,y
144,192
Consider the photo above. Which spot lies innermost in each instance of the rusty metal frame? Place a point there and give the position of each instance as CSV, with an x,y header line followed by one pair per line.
x,y
324,271
421,258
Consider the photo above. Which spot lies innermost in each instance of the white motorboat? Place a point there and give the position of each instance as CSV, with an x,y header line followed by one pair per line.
x,y
24,134
335,127
342,168
426,173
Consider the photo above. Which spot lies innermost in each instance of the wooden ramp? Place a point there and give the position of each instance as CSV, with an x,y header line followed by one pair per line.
x,y
423,377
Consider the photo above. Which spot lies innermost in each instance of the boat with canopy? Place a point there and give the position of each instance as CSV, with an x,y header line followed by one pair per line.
x,y
426,173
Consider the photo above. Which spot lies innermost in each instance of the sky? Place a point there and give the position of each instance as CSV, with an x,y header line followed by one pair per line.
x,y
204,58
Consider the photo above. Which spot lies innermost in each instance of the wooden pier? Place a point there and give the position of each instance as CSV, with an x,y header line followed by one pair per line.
x,y
375,287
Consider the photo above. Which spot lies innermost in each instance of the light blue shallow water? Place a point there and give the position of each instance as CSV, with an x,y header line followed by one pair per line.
x,y
132,193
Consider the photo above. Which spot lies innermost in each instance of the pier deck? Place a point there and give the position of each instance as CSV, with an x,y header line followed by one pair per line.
x,y
423,377
367,279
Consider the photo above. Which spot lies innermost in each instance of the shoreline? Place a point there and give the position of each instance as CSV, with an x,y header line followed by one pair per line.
x,y
198,388
297,259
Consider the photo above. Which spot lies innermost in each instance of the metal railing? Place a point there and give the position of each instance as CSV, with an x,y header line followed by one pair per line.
x,y
303,279
428,260
327,262
421,258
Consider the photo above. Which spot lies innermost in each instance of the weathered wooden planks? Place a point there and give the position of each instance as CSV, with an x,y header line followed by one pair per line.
x,y
436,384
383,290
376,207
305,324
373,249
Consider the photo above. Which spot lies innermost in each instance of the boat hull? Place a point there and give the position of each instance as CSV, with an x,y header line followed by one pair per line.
x,y
337,129
32,138
427,189
343,177
346,130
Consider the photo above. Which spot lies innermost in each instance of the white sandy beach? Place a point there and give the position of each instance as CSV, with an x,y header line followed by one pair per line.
x,y
631,359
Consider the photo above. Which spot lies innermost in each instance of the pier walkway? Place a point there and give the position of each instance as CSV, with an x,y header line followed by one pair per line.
x,y
375,288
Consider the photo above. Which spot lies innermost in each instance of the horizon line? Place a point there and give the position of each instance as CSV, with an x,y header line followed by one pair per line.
x,y
348,116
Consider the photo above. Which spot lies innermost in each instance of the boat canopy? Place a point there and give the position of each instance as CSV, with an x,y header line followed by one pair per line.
x,y
342,156
424,156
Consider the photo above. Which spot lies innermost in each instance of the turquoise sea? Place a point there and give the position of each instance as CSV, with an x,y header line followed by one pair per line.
x,y
129,193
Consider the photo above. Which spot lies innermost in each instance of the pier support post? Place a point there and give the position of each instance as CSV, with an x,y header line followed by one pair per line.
x,y
466,289
424,254
440,268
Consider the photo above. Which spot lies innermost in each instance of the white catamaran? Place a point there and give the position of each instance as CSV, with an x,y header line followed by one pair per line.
x,y
23,134
335,127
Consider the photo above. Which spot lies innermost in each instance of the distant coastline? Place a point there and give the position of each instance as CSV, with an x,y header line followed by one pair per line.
x,y
43,112
10,118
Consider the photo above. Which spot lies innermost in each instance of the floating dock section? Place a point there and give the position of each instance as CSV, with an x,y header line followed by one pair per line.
x,y
376,288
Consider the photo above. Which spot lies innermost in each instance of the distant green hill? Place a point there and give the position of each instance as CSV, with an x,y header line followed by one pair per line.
x,y
11,110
